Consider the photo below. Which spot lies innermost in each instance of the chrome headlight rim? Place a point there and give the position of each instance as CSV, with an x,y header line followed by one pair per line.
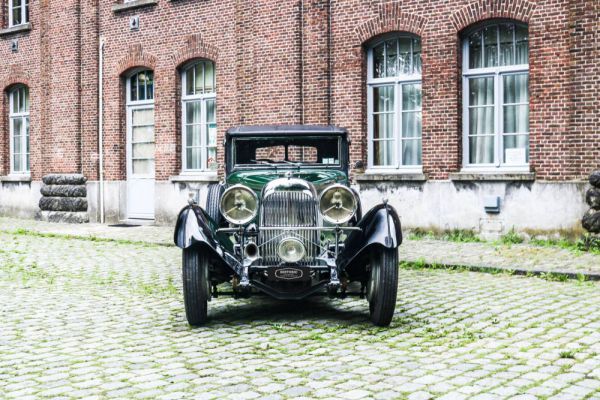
x,y
300,245
234,221
355,205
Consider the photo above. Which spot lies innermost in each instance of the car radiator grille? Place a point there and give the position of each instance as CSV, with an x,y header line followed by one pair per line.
x,y
288,209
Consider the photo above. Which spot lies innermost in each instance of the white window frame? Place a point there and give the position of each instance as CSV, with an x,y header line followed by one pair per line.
x,y
131,106
24,116
497,73
24,13
398,82
202,98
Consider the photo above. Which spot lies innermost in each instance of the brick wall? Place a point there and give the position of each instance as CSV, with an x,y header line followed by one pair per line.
x,y
277,62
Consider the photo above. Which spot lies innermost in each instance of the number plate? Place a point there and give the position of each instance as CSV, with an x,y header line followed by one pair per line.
x,y
289,273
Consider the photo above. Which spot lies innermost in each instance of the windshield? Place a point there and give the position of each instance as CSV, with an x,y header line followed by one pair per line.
x,y
283,151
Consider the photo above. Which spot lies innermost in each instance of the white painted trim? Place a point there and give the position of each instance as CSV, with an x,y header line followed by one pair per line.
x,y
24,117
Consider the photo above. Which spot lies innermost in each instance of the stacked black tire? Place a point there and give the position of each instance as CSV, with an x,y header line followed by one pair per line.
x,y
64,198
591,219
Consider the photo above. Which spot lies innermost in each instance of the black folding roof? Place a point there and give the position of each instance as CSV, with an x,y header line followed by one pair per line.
x,y
276,130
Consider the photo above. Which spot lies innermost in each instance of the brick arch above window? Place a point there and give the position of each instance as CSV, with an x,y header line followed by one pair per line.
x,y
480,10
135,58
15,77
390,19
194,48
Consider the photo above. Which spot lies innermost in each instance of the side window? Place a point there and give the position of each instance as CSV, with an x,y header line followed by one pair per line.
x,y
19,129
199,127
496,96
394,93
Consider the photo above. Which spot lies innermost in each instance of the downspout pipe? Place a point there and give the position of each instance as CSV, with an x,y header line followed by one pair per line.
x,y
101,127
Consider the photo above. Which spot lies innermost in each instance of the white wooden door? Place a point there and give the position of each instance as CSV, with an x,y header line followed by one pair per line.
x,y
140,161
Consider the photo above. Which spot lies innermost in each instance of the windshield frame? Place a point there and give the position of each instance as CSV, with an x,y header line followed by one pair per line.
x,y
231,166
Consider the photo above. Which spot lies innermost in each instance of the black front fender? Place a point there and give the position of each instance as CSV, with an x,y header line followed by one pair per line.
x,y
380,227
194,228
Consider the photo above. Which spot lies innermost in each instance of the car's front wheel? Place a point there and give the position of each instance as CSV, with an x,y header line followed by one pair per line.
x,y
382,287
196,286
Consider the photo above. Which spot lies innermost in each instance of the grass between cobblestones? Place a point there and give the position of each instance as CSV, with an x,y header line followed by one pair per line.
x,y
105,318
587,243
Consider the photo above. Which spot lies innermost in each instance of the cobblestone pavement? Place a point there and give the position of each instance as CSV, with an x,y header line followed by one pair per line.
x,y
513,257
92,319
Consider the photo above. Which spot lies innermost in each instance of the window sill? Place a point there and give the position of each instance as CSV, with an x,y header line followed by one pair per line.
x,y
130,5
15,178
208,178
492,176
391,176
16,29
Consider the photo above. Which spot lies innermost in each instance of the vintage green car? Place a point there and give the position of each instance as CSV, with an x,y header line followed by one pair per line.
x,y
286,223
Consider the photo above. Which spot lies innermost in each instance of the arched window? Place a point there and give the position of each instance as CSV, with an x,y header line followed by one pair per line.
x,y
496,97
199,127
394,103
19,129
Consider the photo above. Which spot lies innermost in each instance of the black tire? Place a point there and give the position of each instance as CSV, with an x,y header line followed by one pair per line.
x,y
213,199
382,288
196,286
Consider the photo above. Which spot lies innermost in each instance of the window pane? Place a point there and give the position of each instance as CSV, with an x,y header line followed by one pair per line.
x,y
143,167
411,97
143,134
490,43
481,150
27,167
411,124
516,88
17,167
411,152
475,50
506,44
481,91
27,20
516,149
378,61
516,119
384,126
192,112
383,152
199,88
25,99
211,159
141,86
522,45
189,80
193,158
392,57
481,121
143,117
149,85
383,98
192,135
210,111
143,150
17,129
417,56
133,95
16,13
209,77
405,53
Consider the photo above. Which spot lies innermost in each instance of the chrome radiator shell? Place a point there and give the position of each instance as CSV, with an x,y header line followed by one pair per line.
x,y
289,203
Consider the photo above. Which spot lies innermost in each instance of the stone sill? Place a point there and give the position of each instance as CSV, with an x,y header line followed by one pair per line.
x,y
384,177
130,5
16,29
195,178
494,176
15,178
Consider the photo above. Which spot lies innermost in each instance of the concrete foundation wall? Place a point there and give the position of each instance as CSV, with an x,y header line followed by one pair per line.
x,y
532,207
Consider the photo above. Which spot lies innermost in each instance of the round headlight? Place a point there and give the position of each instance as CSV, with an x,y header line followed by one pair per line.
x,y
291,250
337,204
239,205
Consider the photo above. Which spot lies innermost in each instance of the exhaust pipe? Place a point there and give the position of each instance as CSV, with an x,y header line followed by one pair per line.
x,y
251,251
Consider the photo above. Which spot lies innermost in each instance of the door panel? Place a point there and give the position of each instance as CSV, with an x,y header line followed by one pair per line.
x,y
140,162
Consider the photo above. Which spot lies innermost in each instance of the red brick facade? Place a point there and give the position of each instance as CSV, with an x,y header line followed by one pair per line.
x,y
289,62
